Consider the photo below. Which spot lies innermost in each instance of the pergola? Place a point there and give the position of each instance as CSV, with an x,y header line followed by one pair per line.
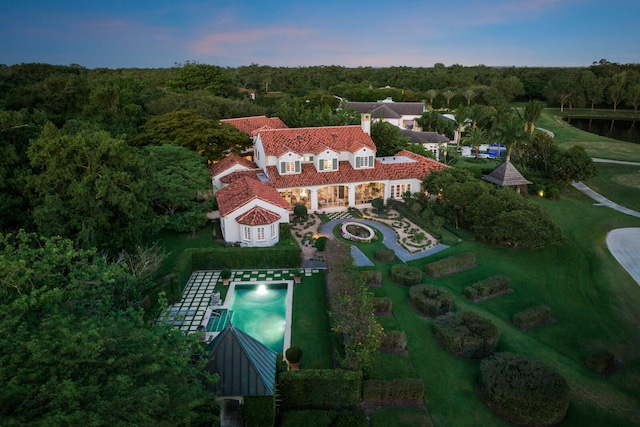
x,y
506,175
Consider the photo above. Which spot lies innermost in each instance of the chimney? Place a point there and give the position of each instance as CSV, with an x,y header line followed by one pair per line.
x,y
365,123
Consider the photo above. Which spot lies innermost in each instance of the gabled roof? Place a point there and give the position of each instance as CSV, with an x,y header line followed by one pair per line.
x,y
244,190
258,216
404,165
399,108
506,175
230,161
246,366
424,137
252,125
385,111
315,140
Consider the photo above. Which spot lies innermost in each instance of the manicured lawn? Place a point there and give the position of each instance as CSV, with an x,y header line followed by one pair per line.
x,y
619,183
597,146
310,324
400,417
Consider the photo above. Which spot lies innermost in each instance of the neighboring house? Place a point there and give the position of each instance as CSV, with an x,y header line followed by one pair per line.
x,y
251,212
432,141
324,168
399,114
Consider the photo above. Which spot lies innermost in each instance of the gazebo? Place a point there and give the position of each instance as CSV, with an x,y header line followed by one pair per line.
x,y
507,175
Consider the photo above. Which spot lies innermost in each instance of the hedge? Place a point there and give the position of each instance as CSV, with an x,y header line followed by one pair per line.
x,y
405,275
466,335
522,391
394,342
398,390
431,300
488,287
534,316
372,277
320,388
324,418
382,305
384,255
450,265
259,411
245,258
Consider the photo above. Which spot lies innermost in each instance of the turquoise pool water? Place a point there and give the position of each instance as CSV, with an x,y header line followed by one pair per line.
x,y
260,311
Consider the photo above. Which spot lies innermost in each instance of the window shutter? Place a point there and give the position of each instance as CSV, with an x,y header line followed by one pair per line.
x,y
357,162
335,164
321,164
283,167
297,166
370,161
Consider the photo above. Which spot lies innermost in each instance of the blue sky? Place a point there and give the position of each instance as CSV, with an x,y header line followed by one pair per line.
x,y
231,33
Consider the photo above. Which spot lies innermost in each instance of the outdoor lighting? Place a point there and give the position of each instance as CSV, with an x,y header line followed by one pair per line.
x,y
541,193
262,289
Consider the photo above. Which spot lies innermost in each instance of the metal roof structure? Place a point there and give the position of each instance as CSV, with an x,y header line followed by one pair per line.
x,y
246,366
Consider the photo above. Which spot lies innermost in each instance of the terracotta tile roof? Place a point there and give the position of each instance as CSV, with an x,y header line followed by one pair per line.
x,y
419,168
243,191
252,125
228,162
258,216
234,176
314,140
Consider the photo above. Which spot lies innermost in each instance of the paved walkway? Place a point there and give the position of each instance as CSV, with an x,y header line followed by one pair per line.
x,y
390,241
603,201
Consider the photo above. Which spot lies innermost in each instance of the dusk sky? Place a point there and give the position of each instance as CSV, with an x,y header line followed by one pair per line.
x,y
231,33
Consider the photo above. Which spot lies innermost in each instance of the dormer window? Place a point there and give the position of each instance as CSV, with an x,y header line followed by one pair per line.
x,y
328,164
290,167
364,162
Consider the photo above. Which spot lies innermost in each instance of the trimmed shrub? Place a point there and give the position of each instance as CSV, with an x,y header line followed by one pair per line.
x,y
300,210
320,389
308,418
352,418
399,390
488,287
405,275
372,277
385,255
285,230
450,265
394,342
523,391
259,411
382,305
245,258
466,335
602,362
431,300
534,316
293,354
320,243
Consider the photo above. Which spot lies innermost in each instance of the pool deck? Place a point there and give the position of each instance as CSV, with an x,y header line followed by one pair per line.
x,y
194,308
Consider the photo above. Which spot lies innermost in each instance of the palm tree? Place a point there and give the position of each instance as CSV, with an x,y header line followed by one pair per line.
x,y
460,120
476,113
469,94
476,137
510,132
431,94
448,95
532,112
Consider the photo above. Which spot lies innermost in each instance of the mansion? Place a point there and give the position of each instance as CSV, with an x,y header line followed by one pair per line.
x,y
324,168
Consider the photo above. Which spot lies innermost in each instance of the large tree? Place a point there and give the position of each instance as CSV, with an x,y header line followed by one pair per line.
x,y
181,185
76,350
210,138
388,138
90,188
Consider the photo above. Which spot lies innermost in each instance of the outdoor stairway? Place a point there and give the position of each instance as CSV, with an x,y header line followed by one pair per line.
x,y
219,320
278,396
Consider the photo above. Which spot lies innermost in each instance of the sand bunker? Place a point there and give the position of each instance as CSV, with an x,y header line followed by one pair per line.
x,y
624,245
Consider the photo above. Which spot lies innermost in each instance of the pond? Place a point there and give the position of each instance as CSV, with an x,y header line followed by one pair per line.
x,y
622,130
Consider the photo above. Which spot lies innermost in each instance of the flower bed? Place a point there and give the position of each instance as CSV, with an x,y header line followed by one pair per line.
x,y
358,239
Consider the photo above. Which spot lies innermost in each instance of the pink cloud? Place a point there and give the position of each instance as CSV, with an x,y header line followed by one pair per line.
x,y
217,43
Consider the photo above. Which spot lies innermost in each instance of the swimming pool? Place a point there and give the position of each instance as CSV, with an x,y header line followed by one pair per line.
x,y
260,310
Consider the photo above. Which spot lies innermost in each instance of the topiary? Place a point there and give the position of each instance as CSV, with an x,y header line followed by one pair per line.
x,y
466,335
293,354
523,391
225,273
378,203
300,211
320,243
